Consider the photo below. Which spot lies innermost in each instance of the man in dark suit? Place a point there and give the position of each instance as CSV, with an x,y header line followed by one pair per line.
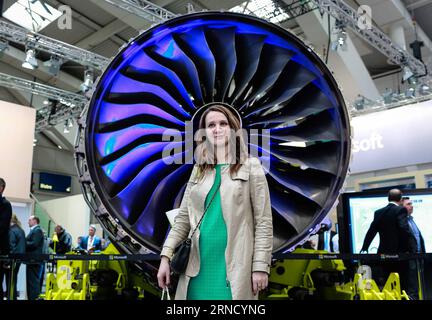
x,y
34,245
391,223
411,279
5,218
91,243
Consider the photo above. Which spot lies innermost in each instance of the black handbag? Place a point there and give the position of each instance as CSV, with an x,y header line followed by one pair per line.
x,y
180,259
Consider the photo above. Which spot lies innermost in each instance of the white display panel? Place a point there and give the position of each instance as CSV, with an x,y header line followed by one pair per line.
x,y
361,210
17,127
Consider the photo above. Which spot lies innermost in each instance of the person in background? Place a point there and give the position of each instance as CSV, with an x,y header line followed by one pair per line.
x,y
78,246
391,223
34,245
17,241
335,243
91,243
5,218
410,278
325,235
62,240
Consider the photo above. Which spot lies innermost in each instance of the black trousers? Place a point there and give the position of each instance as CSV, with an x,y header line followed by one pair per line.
x,y
34,274
381,271
3,273
409,279
15,278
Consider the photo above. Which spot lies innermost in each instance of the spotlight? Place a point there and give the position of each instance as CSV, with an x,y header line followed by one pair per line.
x,y
53,65
66,127
388,96
410,93
341,39
407,73
342,43
88,80
3,46
334,45
30,61
359,102
424,89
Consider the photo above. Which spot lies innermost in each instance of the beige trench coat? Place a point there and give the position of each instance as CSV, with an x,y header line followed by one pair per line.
x,y
247,213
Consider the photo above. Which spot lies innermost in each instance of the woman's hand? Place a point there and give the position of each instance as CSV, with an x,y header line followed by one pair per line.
x,y
163,275
259,281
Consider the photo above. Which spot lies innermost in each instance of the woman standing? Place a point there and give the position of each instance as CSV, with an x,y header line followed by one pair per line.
x,y
231,249
17,244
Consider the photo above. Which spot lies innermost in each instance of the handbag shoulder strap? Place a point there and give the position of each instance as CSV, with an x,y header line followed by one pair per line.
x,y
208,205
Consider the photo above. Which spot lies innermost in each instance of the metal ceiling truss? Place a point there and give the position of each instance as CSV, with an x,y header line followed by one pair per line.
x,y
294,8
69,104
16,34
144,9
379,40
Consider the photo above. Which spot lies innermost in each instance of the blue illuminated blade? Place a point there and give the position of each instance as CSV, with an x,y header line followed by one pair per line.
x,y
124,169
141,187
292,80
168,54
222,43
292,208
304,104
272,62
111,142
248,49
146,70
194,44
321,156
161,200
319,127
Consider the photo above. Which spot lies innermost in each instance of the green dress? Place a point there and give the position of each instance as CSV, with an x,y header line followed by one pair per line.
x,y
211,282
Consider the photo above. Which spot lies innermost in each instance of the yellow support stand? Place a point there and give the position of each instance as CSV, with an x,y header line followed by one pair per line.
x,y
367,289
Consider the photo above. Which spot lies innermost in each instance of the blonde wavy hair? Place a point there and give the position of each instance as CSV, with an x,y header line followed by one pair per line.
x,y
237,151
15,220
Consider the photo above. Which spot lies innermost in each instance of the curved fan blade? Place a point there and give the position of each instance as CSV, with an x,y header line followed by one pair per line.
x,y
141,187
222,44
304,104
124,169
169,54
248,51
272,61
292,80
162,200
315,128
292,207
319,156
194,44
146,70
309,183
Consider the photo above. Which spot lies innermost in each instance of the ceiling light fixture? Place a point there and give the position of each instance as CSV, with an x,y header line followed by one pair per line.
x,y
30,61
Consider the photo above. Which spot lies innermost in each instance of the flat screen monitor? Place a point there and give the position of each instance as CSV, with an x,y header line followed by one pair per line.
x,y
54,182
358,212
